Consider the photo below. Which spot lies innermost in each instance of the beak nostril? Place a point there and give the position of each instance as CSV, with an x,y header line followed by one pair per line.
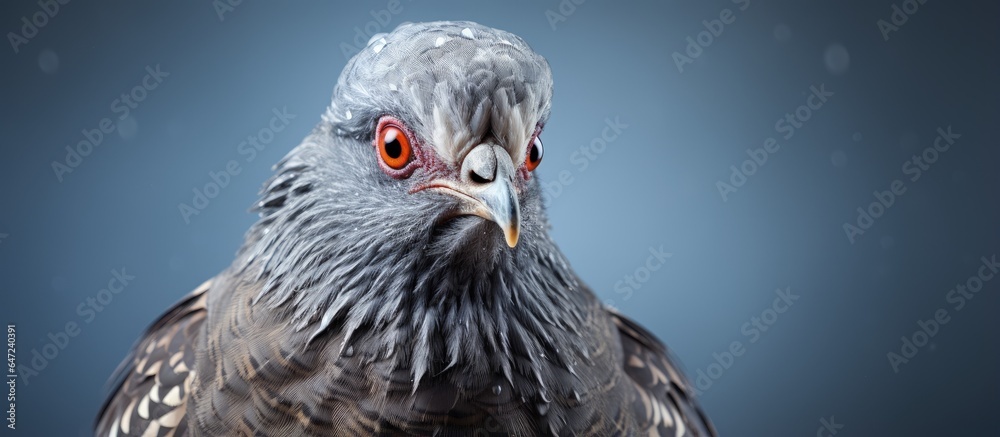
x,y
486,189
480,165
475,177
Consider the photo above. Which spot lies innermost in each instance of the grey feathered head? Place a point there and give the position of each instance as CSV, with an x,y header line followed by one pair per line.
x,y
457,84
389,221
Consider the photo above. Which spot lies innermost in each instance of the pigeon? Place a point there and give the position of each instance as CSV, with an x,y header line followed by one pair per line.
x,y
401,278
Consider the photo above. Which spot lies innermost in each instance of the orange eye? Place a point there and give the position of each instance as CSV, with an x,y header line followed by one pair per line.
x,y
534,155
394,147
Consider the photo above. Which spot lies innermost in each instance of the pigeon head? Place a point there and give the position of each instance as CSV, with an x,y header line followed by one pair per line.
x,y
413,206
447,118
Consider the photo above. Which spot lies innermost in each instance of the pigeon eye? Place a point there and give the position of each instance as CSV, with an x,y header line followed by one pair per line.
x,y
534,154
394,147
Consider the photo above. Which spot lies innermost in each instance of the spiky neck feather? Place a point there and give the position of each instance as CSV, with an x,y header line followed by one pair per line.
x,y
338,261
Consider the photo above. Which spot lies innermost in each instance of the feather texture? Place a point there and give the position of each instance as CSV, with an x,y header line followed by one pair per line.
x,y
360,306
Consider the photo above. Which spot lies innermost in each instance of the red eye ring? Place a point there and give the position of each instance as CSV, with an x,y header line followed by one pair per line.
x,y
394,147
534,155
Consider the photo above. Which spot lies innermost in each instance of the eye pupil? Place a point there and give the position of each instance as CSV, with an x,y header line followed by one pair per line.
x,y
535,154
393,148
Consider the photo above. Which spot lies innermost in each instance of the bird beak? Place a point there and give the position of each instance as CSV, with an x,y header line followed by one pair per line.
x,y
486,189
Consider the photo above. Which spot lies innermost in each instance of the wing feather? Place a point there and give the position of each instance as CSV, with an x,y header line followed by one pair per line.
x,y
152,383
666,398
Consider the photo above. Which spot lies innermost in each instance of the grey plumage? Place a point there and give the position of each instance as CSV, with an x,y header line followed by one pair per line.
x,y
365,304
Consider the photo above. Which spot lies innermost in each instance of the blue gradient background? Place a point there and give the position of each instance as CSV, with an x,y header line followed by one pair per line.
x,y
653,186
